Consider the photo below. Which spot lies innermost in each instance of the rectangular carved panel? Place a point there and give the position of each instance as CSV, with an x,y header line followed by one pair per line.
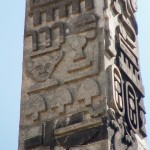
x,y
82,86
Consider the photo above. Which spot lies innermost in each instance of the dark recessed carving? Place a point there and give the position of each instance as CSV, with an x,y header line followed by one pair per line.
x,y
67,130
127,59
33,142
123,137
132,107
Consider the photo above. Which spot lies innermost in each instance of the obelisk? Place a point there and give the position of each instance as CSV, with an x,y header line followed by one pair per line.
x,y
81,86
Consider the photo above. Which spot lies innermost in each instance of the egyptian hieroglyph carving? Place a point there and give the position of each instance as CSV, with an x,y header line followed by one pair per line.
x,y
85,61
78,42
34,106
50,34
121,43
132,108
42,68
49,7
82,87
123,137
87,90
60,99
115,89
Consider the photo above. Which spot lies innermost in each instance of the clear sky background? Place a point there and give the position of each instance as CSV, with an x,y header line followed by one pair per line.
x,y
11,49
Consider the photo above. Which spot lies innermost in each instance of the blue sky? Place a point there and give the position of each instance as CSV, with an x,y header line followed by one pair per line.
x,y
11,49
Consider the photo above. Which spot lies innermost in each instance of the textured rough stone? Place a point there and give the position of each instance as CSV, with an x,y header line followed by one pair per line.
x,y
81,88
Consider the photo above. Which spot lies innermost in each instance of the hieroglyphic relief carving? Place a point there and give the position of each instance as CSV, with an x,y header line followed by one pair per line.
x,y
115,90
49,7
42,68
121,14
60,99
85,22
133,116
123,137
119,96
84,27
132,107
45,54
87,90
109,27
34,106
130,71
85,32
142,119
64,132
125,38
50,35
33,34
128,27
47,32
73,54
45,101
127,60
40,86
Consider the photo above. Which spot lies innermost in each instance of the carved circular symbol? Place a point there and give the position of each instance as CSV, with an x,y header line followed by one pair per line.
x,y
132,107
118,87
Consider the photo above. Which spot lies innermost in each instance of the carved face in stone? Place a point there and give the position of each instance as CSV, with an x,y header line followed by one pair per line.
x,y
41,68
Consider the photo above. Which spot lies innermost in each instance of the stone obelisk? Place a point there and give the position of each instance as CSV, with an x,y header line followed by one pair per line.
x,y
81,87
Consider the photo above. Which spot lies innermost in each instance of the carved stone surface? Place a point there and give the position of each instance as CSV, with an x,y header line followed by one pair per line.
x,y
42,69
34,106
115,90
60,99
87,90
82,87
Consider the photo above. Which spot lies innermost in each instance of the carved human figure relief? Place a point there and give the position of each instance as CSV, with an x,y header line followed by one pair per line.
x,y
42,68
